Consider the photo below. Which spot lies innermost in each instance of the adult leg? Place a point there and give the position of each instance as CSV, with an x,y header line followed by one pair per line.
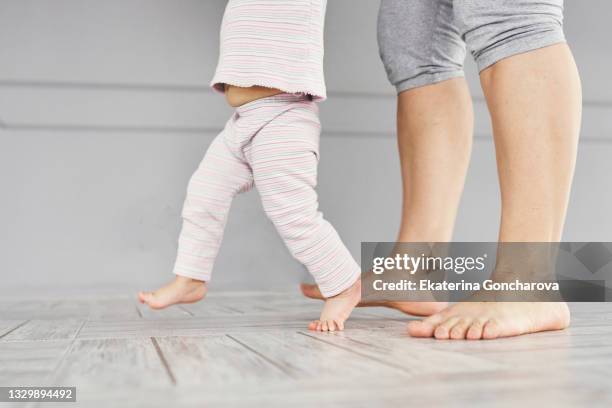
x,y
423,55
435,126
535,104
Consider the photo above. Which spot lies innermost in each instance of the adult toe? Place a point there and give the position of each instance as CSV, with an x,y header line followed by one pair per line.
x,y
425,327
475,330
459,330
442,331
491,330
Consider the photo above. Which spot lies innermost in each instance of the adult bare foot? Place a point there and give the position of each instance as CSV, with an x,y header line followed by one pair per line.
x,y
337,309
412,308
492,320
180,290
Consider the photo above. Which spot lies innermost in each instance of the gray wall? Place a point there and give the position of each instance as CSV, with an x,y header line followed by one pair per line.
x,y
105,112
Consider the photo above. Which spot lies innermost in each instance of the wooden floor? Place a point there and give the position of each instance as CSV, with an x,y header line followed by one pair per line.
x,y
253,350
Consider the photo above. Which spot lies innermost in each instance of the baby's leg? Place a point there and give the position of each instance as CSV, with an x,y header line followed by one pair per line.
x,y
220,176
283,156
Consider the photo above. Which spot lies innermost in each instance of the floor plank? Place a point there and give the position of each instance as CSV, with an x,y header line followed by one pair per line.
x,y
37,330
45,309
413,356
304,356
108,363
8,326
114,309
217,360
212,326
29,363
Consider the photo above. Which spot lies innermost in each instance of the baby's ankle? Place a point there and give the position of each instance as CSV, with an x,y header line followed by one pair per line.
x,y
355,287
184,280
353,291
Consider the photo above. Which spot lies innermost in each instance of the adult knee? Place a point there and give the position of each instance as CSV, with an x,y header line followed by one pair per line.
x,y
498,29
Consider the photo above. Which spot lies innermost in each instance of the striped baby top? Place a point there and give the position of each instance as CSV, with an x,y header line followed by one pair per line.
x,y
274,44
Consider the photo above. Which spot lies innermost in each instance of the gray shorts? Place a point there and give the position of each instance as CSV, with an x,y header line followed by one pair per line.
x,y
422,42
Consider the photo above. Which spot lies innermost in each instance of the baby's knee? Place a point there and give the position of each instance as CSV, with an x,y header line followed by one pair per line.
x,y
293,210
498,29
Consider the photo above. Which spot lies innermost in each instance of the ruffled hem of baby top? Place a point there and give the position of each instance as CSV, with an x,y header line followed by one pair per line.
x,y
273,45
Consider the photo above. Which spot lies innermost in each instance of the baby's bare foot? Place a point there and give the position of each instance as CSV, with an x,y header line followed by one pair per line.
x,y
491,320
180,290
411,308
337,309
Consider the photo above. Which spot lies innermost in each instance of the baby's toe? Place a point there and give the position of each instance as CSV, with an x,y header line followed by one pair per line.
x,y
313,325
145,297
340,324
332,325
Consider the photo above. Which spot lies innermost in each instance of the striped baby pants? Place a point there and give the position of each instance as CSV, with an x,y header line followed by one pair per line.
x,y
272,144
